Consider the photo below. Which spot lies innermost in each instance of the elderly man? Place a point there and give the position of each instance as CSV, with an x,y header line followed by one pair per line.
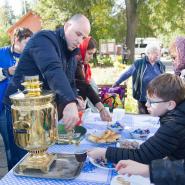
x,y
9,57
142,72
51,55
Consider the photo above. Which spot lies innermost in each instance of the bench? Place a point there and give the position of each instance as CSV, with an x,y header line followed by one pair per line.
x,y
100,86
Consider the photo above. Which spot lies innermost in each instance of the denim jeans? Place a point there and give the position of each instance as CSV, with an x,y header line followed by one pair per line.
x,y
4,131
14,153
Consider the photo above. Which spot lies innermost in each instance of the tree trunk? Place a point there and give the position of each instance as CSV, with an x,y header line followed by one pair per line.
x,y
131,14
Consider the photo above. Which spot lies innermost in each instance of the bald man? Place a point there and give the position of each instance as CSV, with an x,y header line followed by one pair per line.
x,y
51,55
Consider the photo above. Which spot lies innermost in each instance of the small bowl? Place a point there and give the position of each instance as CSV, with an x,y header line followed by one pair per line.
x,y
140,134
116,127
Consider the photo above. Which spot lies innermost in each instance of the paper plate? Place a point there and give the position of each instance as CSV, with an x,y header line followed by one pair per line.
x,y
134,180
131,140
98,165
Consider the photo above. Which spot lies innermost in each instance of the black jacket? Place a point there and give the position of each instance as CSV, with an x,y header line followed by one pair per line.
x,y
46,55
166,172
85,89
169,140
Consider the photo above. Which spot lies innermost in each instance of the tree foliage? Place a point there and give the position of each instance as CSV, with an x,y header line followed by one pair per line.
x,y
6,15
51,14
162,19
6,19
4,39
104,24
132,18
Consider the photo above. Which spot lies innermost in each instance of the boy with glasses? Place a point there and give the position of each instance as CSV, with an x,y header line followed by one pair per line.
x,y
166,99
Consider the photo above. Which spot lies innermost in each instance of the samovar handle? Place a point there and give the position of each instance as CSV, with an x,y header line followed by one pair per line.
x,y
21,126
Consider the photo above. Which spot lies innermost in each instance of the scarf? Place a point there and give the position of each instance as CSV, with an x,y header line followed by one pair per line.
x,y
86,67
180,45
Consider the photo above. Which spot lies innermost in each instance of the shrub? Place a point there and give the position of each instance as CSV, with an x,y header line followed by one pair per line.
x,y
104,60
4,39
119,58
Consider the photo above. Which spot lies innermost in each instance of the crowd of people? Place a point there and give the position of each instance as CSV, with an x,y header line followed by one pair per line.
x,y
61,59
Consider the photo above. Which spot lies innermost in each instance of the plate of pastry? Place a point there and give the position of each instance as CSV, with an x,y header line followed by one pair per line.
x,y
103,137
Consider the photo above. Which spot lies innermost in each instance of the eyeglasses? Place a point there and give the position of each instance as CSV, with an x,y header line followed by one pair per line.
x,y
149,102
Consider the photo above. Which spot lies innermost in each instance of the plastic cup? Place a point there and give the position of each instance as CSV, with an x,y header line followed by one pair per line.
x,y
118,114
81,155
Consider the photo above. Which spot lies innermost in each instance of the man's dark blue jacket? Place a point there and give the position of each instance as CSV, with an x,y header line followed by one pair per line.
x,y
46,55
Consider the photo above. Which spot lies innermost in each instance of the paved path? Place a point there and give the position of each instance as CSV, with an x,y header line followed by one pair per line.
x,y
168,64
3,163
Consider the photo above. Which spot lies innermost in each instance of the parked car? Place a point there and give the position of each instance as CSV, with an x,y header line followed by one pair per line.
x,y
141,43
164,52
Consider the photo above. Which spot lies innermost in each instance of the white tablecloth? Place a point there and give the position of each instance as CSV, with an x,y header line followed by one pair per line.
x,y
90,175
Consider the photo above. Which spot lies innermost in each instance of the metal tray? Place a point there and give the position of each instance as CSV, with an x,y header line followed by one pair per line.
x,y
65,166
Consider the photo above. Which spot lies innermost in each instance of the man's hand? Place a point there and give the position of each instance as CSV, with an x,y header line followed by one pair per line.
x,y
70,116
11,70
81,103
132,168
115,85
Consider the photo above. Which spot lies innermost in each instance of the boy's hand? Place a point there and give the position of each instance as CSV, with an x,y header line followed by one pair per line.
x,y
132,168
97,153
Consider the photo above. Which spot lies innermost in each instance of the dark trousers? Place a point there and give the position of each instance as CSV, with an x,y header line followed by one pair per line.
x,y
124,61
13,152
142,108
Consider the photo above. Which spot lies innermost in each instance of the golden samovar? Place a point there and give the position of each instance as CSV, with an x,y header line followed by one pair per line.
x,y
34,124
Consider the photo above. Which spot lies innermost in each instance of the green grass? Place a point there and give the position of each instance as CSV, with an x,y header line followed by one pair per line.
x,y
109,75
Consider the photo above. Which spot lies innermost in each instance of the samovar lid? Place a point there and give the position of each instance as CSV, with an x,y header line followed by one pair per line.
x,y
20,95
32,94
21,100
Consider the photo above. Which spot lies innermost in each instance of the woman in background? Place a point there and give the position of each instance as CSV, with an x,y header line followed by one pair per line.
x,y
143,71
84,82
177,52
